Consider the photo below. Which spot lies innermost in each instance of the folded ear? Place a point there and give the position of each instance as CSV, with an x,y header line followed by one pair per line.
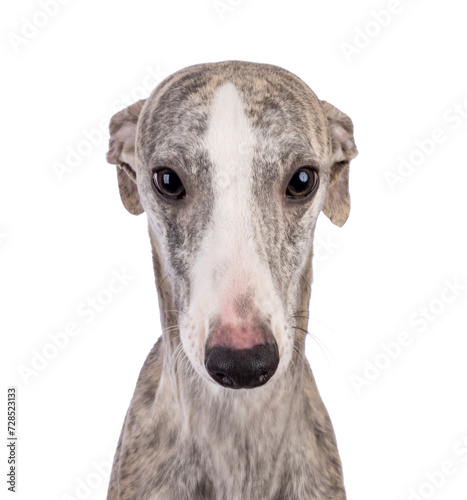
x,y
337,202
122,153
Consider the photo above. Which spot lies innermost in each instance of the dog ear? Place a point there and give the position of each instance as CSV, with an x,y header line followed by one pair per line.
x,y
122,153
337,202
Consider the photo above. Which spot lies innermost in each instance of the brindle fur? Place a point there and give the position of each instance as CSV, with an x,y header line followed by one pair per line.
x,y
183,438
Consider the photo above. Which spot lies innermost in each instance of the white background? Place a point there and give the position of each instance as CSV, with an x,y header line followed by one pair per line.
x,y
62,236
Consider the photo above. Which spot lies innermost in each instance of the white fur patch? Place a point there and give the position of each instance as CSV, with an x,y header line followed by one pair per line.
x,y
228,264
229,142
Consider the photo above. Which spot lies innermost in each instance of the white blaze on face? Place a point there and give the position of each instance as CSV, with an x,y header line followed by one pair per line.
x,y
229,142
230,247
228,265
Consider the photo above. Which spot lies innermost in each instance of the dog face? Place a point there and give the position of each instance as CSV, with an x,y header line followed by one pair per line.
x,y
233,162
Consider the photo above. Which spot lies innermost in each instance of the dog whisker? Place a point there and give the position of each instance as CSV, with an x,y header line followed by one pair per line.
x,y
303,278
319,342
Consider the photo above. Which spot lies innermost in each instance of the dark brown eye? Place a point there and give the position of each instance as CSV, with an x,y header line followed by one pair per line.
x,y
168,183
303,183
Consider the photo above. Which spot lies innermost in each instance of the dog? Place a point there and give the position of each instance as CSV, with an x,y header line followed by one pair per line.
x,y
232,163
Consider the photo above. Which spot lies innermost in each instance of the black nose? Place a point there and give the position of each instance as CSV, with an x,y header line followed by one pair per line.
x,y
242,368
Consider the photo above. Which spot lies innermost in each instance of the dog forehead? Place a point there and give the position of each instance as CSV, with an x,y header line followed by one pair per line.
x,y
284,113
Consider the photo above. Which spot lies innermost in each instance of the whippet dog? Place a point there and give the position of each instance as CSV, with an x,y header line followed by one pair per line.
x,y
232,163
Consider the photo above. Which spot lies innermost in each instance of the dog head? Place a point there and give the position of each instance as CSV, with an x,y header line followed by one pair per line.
x,y
233,162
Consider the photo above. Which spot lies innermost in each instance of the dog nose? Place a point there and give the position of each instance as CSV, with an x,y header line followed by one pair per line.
x,y
242,368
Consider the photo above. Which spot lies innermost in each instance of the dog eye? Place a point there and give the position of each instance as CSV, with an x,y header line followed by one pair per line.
x,y
303,182
168,183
